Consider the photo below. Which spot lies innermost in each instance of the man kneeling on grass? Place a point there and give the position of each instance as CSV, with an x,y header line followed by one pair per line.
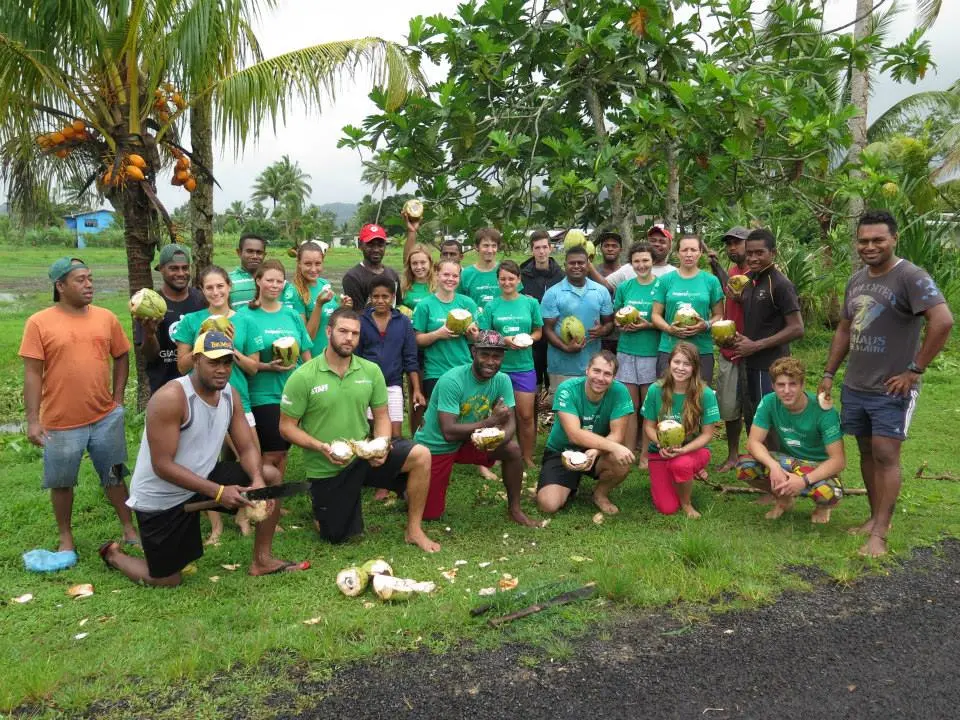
x,y
187,421
592,416
465,399
811,437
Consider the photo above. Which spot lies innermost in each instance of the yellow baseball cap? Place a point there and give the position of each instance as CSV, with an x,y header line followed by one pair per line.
x,y
213,345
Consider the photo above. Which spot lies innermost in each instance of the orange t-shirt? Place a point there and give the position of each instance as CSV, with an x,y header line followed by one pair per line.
x,y
77,372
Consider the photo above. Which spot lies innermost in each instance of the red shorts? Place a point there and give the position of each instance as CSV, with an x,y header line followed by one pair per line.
x,y
440,469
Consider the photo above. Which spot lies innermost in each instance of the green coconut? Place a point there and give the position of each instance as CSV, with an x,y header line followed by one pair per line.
x,y
686,316
413,209
670,434
591,249
723,332
572,330
404,310
627,315
147,304
341,450
352,581
377,567
574,238
286,350
487,439
737,283
372,449
216,323
458,320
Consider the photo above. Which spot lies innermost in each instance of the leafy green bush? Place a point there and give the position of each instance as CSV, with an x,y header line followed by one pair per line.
x,y
109,238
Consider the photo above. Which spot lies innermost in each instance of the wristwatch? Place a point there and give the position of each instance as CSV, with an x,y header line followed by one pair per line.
x,y
914,368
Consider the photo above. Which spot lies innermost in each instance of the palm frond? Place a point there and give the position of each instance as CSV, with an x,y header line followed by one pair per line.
x,y
881,23
927,13
921,103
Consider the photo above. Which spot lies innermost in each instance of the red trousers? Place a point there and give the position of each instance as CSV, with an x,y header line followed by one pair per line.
x,y
665,473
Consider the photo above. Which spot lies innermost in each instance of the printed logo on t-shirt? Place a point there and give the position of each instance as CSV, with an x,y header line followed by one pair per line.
x,y
319,389
362,381
476,407
284,400
865,311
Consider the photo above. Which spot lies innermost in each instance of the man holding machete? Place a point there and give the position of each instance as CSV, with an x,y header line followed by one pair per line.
x,y
187,421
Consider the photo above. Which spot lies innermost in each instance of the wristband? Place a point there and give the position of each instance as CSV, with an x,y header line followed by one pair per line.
x,y
828,375
219,494
915,369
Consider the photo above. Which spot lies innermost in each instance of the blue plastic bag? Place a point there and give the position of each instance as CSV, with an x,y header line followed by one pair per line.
x,y
47,561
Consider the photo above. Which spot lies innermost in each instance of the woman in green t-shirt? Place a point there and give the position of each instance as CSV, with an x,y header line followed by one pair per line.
x,y
637,346
682,396
419,278
272,320
311,296
512,314
443,349
215,285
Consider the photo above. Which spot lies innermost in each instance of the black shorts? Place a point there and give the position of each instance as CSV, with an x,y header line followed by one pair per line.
x,y
427,387
268,428
171,539
552,472
336,500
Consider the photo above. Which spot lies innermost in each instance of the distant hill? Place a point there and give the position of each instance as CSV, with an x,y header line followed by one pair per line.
x,y
344,211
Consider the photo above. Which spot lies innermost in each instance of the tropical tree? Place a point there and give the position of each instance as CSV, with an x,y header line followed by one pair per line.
x,y
282,181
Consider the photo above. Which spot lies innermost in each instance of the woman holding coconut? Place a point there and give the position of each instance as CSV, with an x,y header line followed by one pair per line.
x,y
311,296
284,342
679,415
215,285
692,300
517,318
639,338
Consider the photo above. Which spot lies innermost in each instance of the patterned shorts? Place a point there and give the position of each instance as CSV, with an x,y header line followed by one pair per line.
x,y
826,493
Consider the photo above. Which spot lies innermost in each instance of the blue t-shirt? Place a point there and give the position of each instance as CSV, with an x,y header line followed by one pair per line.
x,y
588,303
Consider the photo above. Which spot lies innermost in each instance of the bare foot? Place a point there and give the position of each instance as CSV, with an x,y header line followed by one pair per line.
x,y
729,464
603,502
875,547
487,474
381,494
820,516
214,539
419,538
865,529
643,464
273,565
766,499
779,509
691,512
702,475
520,518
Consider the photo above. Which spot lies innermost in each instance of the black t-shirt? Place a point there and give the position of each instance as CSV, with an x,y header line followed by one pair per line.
x,y
766,302
356,284
164,367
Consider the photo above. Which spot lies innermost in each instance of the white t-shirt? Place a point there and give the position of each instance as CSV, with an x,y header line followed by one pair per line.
x,y
626,272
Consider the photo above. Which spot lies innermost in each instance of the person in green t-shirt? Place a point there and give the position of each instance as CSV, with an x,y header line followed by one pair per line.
x,y
592,416
479,281
811,440
251,251
311,296
637,346
688,286
273,321
680,396
419,279
326,400
468,399
215,285
514,315
442,348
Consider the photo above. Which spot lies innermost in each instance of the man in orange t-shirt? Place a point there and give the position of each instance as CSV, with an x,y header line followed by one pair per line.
x,y
71,408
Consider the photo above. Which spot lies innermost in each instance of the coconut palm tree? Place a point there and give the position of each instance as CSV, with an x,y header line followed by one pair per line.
x,y
280,181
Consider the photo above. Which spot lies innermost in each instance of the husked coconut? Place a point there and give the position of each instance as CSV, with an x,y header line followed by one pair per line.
x,y
372,449
387,587
686,316
286,350
723,332
341,450
670,434
627,315
413,209
377,567
487,438
522,340
352,581
147,304
574,460
826,403
217,323
458,320
258,511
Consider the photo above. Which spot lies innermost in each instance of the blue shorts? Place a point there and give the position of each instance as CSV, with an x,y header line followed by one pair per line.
x,y
524,381
877,414
105,442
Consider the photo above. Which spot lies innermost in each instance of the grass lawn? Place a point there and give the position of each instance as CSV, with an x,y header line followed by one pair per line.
x,y
214,648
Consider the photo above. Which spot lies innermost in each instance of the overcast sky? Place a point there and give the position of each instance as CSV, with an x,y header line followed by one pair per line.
x,y
312,141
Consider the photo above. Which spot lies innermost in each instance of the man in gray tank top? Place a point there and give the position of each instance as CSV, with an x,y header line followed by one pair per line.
x,y
187,421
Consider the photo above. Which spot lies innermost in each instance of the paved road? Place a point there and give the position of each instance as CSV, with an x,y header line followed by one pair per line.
x,y
887,647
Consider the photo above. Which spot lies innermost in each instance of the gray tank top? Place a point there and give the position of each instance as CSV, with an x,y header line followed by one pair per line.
x,y
201,439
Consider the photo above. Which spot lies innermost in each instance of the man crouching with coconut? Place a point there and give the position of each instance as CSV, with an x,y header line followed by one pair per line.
x,y
187,421
324,410
588,437
470,421
810,437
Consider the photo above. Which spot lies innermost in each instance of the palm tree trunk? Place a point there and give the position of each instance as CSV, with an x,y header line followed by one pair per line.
x,y
618,209
672,208
201,200
860,98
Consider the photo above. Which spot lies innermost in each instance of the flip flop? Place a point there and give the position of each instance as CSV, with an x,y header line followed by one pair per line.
x,y
104,549
288,567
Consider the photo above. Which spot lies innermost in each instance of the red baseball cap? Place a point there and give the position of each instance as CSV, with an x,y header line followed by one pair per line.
x,y
372,231
662,229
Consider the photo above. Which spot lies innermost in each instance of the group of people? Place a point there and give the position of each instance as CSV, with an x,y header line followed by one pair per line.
x,y
225,410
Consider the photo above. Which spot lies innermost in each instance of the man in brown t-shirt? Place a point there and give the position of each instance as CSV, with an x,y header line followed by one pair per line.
x,y
884,308
71,404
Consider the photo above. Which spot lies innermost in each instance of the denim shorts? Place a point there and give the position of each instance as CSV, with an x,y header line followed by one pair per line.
x,y
103,440
877,414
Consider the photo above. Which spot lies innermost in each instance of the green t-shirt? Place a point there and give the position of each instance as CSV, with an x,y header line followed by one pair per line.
x,y
459,393
266,386
654,401
703,291
242,288
330,408
509,317
642,343
416,293
245,340
571,398
803,435
443,355
292,299
481,286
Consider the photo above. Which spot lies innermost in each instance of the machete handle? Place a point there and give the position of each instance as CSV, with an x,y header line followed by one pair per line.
x,y
203,505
